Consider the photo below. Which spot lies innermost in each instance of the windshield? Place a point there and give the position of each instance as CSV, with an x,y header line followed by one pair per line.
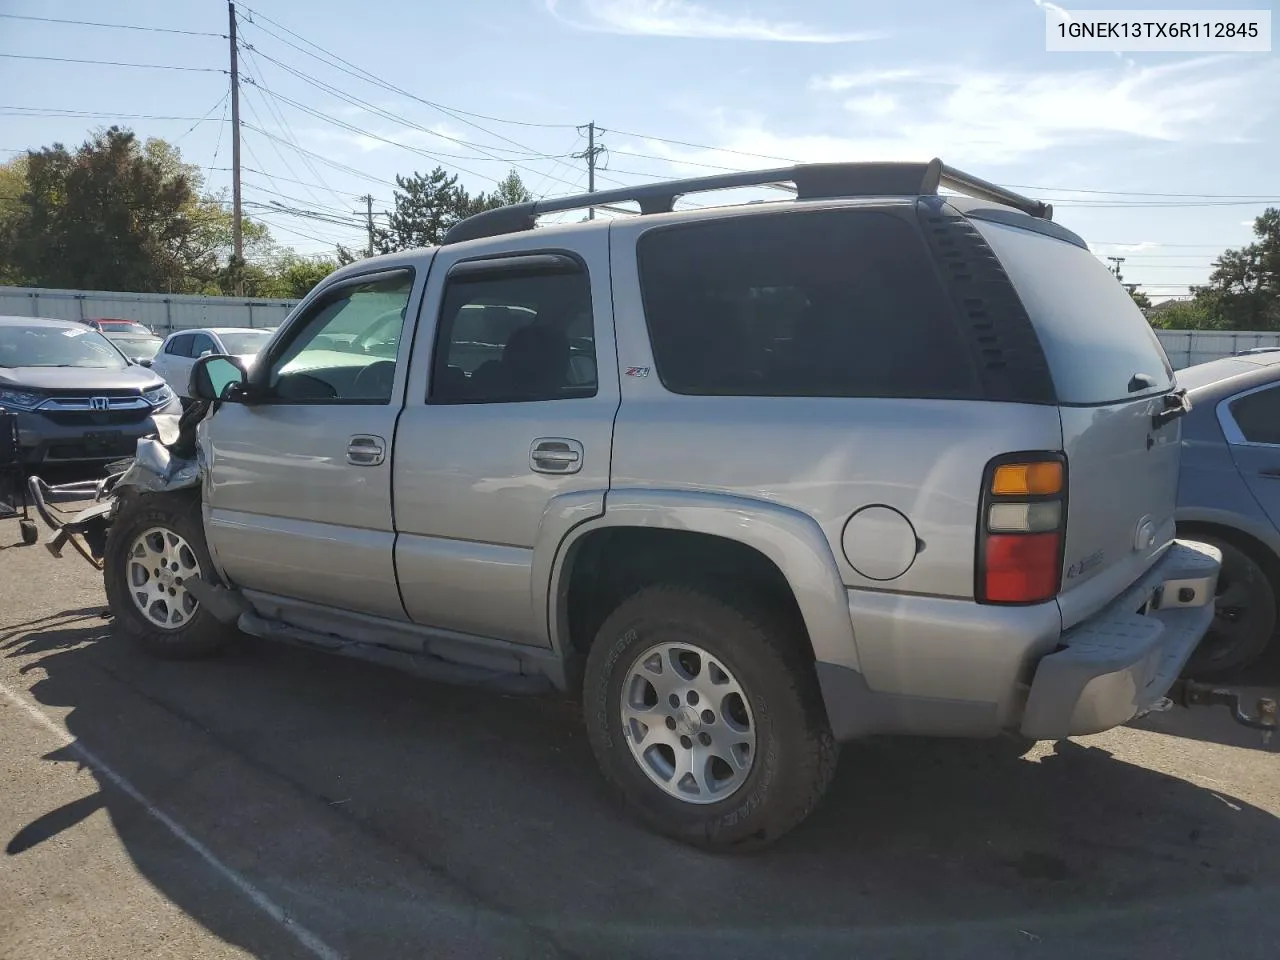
x,y
137,348
247,341
42,346
122,326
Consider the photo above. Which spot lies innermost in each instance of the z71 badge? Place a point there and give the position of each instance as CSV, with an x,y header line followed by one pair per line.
x,y
637,371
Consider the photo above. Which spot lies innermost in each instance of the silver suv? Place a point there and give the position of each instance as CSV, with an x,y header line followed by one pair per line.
x,y
754,479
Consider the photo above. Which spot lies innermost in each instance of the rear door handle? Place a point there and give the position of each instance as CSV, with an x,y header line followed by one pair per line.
x,y
1271,473
365,450
555,455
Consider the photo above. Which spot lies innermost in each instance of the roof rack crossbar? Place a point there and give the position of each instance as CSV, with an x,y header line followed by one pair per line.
x,y
813,181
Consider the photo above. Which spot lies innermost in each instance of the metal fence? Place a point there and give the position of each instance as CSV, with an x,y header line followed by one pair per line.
x,y
1189,347
162,312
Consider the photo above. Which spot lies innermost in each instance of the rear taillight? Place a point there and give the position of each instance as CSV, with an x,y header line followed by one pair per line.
x,y
1021,527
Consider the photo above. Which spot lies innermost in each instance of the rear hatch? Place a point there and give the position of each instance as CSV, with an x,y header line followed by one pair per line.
x,y
1112,378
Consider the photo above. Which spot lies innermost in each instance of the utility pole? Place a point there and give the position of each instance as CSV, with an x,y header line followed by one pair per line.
x,y
590,155
1116,261
368,216
237,231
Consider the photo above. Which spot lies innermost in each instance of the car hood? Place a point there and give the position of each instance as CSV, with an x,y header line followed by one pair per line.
x,y
78,378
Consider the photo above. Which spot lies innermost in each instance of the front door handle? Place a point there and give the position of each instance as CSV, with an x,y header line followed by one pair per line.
x,y
555,455
364,450
1271,473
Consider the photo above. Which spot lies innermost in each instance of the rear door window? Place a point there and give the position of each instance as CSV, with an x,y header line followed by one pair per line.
x,y
1094,337
1257,416
180,346
831,303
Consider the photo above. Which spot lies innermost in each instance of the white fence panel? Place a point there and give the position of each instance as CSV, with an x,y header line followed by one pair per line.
x,y
159,311
1186,348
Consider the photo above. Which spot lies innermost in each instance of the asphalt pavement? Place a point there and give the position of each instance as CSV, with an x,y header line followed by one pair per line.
x,y
279,803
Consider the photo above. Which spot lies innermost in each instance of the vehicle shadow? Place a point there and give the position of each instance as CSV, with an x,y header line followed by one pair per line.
x,y
918,843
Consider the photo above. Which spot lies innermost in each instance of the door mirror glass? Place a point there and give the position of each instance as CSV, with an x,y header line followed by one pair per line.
x,y
213,377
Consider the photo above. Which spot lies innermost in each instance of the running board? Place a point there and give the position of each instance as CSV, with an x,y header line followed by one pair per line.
x,y
424,665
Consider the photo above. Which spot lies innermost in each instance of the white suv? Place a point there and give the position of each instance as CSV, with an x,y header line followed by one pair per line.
x,y
183,347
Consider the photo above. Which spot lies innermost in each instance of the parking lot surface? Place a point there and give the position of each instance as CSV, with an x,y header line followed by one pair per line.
x,y
278,803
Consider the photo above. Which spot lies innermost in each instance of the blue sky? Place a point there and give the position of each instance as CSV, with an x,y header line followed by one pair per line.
x,y
970,82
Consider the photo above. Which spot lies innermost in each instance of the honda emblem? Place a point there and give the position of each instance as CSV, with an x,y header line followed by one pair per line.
x,y
99,403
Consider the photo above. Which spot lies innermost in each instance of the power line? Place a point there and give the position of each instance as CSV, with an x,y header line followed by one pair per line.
x,y
358,102
15,111
371,78
269,98
207,116
323,159
114,63
114,26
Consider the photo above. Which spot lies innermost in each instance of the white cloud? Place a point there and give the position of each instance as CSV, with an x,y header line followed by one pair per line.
x,y
1102,249
875,106
838,82
994,117
683,18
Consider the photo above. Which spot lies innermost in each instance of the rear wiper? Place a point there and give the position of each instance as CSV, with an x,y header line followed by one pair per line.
x,y
1176,405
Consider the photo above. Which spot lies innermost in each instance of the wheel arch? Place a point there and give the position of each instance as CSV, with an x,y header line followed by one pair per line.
x,y
775,543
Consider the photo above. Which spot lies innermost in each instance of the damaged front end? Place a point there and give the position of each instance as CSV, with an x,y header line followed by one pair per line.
x,y
170,461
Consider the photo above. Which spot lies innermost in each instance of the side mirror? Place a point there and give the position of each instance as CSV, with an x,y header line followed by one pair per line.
x,y
145,362
216,377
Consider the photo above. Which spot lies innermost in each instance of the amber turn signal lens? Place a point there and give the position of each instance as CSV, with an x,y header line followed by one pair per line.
x,y
1027,479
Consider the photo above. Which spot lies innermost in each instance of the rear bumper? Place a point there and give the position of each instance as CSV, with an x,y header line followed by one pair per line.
x,y
1122,660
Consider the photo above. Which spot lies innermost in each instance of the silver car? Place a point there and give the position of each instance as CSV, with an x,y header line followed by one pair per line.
x,y
755,480
1230,496
182,348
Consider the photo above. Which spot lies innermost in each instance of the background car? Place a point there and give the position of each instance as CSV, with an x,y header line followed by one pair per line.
x,y
140,348
181,348
76,396
1229,495
110,325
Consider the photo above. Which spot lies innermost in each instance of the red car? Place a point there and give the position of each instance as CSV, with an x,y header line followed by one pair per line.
x,y
116,325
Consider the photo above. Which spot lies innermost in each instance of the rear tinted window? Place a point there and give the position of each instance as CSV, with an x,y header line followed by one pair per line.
x,y
834,303
1093,334
1258,416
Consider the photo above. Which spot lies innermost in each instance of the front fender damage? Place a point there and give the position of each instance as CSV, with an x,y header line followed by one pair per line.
x,y
168,462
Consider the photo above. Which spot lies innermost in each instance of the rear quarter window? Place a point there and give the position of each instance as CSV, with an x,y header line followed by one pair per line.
x,y
831,303
1093,335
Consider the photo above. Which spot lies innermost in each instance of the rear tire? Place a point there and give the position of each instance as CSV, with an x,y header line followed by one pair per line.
x,y
759,707
1244,616
156,540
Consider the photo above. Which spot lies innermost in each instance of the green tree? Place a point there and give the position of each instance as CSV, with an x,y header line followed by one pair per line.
x,y
13,185
426,206
1140,298
1243,291
116,214
1184,315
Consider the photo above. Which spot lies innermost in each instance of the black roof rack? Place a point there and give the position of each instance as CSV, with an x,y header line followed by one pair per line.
x,y
813,181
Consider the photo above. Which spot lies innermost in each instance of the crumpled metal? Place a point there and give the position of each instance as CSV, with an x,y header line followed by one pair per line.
x,y
155,469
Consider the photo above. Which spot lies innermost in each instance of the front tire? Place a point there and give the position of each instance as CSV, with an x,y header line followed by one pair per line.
x,y
155,543
1244,616
705,716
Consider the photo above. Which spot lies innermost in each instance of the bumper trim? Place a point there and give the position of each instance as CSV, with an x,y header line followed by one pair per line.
x,y
1119,662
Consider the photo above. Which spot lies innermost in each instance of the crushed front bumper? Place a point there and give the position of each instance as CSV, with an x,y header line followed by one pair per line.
x,y
1124,659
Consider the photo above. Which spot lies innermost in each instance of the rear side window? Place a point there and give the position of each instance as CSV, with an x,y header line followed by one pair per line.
x,y
180,346
1093,335
832,303
1258,416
